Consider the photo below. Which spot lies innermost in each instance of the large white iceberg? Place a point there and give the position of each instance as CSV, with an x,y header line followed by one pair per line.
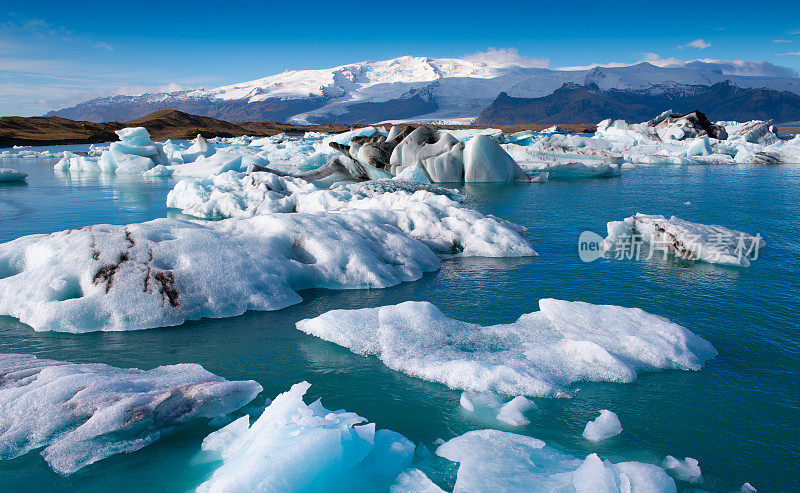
x,y
674,236
538,355
136,153
163,272
431,214
296,447
497,461
81,413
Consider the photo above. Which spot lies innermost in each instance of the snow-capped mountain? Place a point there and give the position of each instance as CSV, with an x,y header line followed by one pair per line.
x,y
407,88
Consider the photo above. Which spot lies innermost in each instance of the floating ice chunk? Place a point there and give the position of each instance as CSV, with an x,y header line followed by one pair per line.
x,y
693,241
199,148
297,447
486,162
80,164
748,488
701,146
538,355
512,411
344,138
414,481
163,272
136,153
497,461
490,404
413,173
605,426
158,171
685,470
429,213
203,167
579,170
82,413
9,175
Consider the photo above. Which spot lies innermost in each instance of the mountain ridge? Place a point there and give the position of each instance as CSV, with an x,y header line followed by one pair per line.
x,y
410,88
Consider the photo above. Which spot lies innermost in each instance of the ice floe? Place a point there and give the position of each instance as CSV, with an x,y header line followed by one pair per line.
x,y
605,426
431,214
12,175
489,404
674,236
540,354
498,461
79,414
293,446
163,272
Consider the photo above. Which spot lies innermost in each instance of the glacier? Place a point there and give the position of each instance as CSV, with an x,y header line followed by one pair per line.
x,y
79,414
540,354
687,240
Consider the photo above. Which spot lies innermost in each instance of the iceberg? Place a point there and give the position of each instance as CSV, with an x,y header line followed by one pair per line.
x,y
413,480
498,461
431,214
605,426
136,153
80,164
538,355
12,175
82,413
296,447
692,241
202,167
163,272
486,162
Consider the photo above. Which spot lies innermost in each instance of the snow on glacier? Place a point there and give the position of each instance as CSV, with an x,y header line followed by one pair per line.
x,y
498,461
163,272
431,214
294,446
540,354
79,414
674,236
605,426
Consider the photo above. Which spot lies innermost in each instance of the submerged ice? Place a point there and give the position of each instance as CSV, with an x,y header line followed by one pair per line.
x,y
540,354
81,413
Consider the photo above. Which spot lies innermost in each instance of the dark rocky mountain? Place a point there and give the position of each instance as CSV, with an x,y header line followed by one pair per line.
x,y
588,103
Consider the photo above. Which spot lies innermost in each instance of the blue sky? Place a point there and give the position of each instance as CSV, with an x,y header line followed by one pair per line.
x,y
54,54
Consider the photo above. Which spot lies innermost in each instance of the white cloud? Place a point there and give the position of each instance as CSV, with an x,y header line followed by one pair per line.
x,y
791,53
781,40
103,46
701,44
507,56
724,67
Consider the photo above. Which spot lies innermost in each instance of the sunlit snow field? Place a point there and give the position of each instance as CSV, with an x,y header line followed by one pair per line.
x,y
738,415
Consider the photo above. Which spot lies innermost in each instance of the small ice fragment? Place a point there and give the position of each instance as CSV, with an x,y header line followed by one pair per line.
x,y
512,411
685,470
604,426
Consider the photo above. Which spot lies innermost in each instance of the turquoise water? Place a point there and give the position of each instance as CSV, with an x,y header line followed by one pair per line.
x,y
738,416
